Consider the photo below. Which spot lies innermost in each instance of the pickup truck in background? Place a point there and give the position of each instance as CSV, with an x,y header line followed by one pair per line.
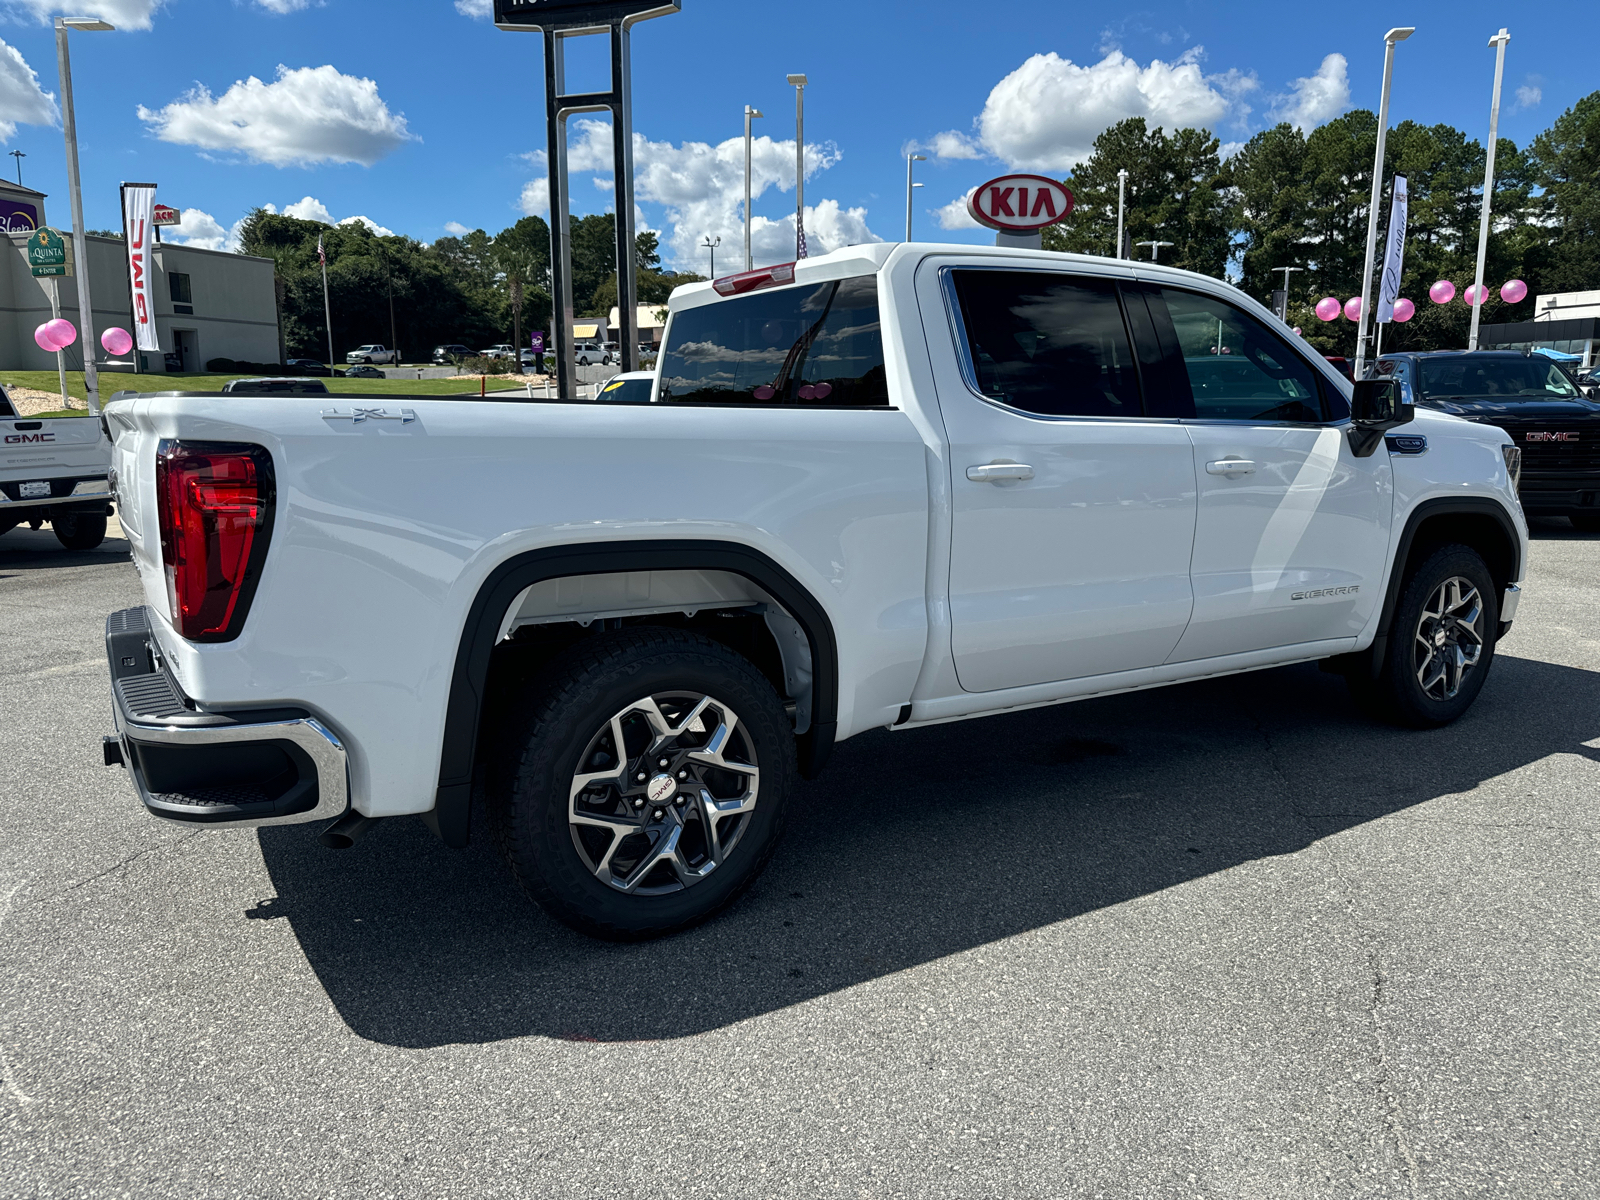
x,y
372,354
893,486
55,469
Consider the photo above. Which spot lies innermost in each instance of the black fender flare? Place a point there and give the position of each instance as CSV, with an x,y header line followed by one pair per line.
x,y
1371,660
451,816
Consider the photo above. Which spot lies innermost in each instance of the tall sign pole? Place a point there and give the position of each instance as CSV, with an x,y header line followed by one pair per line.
x,y
1498,41
1390,39
800,248
558,20
1122,205
69,129
750,114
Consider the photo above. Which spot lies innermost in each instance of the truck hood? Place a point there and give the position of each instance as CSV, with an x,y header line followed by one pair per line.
x,y
1495,411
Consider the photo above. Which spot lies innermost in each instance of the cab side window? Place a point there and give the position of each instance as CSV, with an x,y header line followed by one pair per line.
x,y
1049,344
1239,369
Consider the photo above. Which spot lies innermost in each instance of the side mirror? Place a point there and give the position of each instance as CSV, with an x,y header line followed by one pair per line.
x,y
1378,406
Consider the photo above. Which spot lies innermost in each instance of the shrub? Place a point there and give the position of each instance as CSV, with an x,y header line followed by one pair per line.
x,y
485,366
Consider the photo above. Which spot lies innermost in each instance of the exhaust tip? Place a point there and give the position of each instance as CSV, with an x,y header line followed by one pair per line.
x,y
347,830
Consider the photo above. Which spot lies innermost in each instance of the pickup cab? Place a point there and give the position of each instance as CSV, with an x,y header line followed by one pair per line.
x,y
893,486
54,469
369,355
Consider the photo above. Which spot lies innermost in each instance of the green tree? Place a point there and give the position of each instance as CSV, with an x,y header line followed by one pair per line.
x,y
1565,162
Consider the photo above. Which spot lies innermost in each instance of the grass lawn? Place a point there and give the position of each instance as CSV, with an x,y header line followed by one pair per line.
x,y
110,384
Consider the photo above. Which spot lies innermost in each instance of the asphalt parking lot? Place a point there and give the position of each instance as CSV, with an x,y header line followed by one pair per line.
x,y
1224,940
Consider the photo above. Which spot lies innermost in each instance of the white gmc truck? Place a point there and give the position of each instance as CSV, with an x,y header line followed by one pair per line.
x,y
892,486
54,469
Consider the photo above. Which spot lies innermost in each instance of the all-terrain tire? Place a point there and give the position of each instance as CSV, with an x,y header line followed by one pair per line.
x,y
567,708
77,531
1398,693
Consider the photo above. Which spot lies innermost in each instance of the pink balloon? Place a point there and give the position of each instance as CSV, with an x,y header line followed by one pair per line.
x,y
1297,332
42,336
1475,295
1442,292
62,332
1514,292
1352,309
1327,310
1404,310
116,341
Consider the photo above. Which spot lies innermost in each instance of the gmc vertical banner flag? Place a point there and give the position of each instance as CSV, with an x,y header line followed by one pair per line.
x,y
139,224
1394,254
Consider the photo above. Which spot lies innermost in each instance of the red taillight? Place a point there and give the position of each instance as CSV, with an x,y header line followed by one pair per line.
x,y
752,281
215,508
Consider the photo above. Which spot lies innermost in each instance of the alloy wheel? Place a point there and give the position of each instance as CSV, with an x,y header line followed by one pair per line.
x,y
1449,638
664,793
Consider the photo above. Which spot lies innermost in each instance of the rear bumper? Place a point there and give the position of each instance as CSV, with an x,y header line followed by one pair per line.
x,y
76,492
237,769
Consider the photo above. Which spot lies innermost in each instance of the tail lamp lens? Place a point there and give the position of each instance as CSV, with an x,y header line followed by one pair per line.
x,y
215,505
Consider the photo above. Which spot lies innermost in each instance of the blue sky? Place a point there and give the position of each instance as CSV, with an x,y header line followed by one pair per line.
x,y
424,119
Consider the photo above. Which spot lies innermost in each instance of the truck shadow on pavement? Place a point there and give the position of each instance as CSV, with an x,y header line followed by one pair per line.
x,y
913,846
37,550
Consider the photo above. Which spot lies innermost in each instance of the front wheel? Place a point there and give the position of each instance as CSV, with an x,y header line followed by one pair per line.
x,y
643,788
1442,644
77,531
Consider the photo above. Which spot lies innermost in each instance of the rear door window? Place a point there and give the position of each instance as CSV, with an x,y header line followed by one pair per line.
x,y
1239,370
1052,345
818,345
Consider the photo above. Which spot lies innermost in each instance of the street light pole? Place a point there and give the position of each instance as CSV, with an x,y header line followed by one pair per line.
x,y
711,245
799,83
750,114
1389,41
911,161
1287,271
1122,200
1155,248
1498,41
19,156
80,244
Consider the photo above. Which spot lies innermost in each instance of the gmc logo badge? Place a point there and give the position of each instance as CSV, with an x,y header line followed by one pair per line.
x,y
1550,437
22,439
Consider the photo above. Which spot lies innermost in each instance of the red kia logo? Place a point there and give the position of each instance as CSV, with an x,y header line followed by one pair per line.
x,y
1020,203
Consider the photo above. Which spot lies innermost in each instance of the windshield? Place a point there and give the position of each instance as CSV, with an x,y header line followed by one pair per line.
x,y
628,391
1506,379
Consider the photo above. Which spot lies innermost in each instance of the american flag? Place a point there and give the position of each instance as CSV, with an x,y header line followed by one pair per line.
x,y
322,256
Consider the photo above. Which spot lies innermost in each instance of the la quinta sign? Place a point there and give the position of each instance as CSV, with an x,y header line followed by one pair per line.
x,y
1020,203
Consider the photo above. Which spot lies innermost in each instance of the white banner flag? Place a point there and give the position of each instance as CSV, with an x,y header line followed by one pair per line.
x,y
1394,253
138,221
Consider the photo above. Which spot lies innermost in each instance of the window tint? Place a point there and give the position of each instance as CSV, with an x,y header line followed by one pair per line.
x,y
796,345
1240,370
1508,379
1048,344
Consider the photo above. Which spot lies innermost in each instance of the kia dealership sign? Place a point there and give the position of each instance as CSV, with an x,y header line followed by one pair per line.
x,y
1020,203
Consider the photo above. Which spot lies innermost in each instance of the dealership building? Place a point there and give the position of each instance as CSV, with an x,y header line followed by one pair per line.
x,y
209,304
1566,322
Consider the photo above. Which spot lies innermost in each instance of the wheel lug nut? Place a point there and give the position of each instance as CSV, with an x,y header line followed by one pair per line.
x,y
641,777
657,815
666,762
682,775
638,804
680,802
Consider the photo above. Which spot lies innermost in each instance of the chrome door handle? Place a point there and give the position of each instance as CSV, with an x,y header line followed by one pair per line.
x,y
1231,466
1000,473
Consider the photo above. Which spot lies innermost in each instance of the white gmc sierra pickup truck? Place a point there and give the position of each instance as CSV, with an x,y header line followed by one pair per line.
x,y
892,486
54,469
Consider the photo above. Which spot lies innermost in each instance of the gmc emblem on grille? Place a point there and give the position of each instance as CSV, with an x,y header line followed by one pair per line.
x,y
1550,437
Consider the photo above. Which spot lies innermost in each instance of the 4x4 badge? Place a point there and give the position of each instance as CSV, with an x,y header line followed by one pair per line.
x,y
358,415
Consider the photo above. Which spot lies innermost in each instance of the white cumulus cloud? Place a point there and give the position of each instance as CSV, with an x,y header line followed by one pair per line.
x,y
307,209
124,14
203,230
287,6
701,188
456,229
951,144
22,100
1045,115
1529,96
475,8
372,225
955,215
308,115
1317,98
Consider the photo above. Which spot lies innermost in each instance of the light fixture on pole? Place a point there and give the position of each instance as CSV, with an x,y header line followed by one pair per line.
x,y
911,161
1122,201
711,244
80,246
798,82
1155,248
1390,39
750,114
19,156
1498,42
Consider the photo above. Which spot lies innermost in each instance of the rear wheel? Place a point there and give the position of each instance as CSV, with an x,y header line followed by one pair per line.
x,y
79,531
643,789
1442,643
1588,522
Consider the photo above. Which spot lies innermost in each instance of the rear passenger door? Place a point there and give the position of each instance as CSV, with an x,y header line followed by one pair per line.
x,y
1293,529
1072,501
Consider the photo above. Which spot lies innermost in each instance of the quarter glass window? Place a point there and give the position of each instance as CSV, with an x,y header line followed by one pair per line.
x,y
820,345
1048,344
1238,368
